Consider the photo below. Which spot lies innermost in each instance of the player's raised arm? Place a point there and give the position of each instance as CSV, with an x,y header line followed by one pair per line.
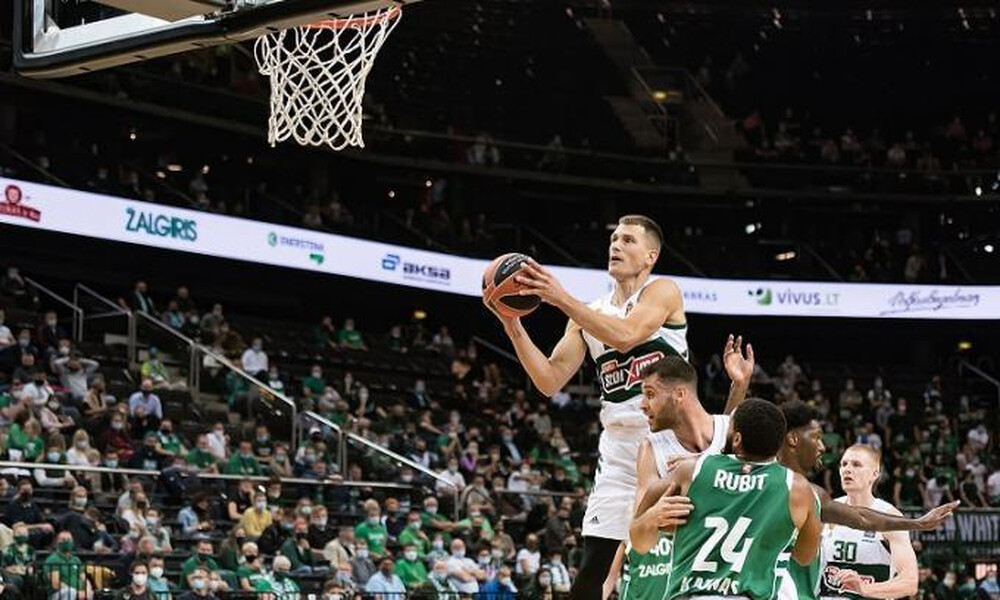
x,y
662,506
866,519
740,370
802,503
548,373
660,302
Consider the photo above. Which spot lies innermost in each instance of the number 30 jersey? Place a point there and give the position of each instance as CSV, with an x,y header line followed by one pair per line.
x,y
866,552
740,524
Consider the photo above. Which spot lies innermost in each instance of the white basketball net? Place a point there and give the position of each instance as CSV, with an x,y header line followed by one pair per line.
x,y
318,74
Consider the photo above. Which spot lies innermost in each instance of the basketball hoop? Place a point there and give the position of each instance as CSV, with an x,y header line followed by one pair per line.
x,y
317,75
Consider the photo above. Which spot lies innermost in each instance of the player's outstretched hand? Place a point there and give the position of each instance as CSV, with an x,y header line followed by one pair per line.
x,y
738,367
536,279
937,516
672,509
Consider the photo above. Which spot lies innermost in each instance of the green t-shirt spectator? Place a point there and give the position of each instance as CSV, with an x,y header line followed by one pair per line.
x,y
284,586
350,338
316,385
70,570
571,468
834,443
190,564
31,447
258,581
375,535
412,536
235,385
428,518
412,573
200,458
169,442
15,557
238,465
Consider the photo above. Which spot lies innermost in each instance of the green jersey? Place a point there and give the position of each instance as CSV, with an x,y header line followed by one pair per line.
x,y
646,575
740,525
797,582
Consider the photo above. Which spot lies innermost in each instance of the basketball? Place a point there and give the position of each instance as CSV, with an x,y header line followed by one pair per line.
x,y
501,289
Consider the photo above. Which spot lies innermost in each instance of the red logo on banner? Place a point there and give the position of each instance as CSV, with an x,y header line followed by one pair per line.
x,y
12,205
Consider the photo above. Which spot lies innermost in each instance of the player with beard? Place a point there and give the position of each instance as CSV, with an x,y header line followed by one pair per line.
x,y
802,452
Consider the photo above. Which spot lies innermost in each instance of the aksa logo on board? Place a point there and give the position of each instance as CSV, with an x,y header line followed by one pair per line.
x,y
12,205
416,271
161,225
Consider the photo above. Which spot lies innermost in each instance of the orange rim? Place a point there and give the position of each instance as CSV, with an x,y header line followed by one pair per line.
x,y
357,22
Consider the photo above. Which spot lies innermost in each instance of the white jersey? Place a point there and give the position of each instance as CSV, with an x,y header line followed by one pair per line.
x,y
619,373
666,445
866,552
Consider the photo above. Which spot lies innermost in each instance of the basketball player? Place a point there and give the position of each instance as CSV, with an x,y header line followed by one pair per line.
x,y
802,452
680,427
639,322
747,509
865,563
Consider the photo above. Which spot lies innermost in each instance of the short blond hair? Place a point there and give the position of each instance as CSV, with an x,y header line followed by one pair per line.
x,y
650,226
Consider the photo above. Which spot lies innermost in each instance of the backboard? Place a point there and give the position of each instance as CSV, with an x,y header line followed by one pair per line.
x,y
58,38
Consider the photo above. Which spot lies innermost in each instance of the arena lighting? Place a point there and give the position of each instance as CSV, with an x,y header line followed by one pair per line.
x,y
161,175
428,183
205,169
753,227
979,191
174,168
392,194
783,256
660,96
132,135
419,315
988,248
964,346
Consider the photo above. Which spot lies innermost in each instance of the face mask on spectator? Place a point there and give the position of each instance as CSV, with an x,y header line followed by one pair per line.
x,y
260,505
504,581
321,523
117,425
280,458
139,579
484,559
306,510
414,524
263,438
64,350
156,572
458,553
406,478
198,583
79,501
111,463
438,544
496,553
373,520
82,445
24,342
556,560
53,456
152,522
310,458
363,552
431,509
54,405
65,546
440,575
410,555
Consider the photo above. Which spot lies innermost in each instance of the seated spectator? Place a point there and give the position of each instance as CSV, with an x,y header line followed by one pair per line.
x,y
451,475
174,317
22,509
196,518
254,359
529,558
299,552
53,417
49,333
147,400
218,442
282,582
154,370
385,581
17,562
138,587
64,571
200,457
74,373
371,530
439,583
251,573
325,334
95,404
243,462
340,550
414,534
117,438
350,338
500,588
280,465
149,456
410,568
237,388
55,454
77,454
24,440
263,445
138,299
274,379
199,586
560,574
314,382
37,391
156,530
158,585
231,549
464,573
362,566
201,558
256,518
540,587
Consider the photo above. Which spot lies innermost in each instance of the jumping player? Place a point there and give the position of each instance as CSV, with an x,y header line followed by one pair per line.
x,y
639,322
865,563
801,452
747,509
680,427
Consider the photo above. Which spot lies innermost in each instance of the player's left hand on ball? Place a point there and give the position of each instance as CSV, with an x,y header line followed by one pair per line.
x,y
849,581
538,280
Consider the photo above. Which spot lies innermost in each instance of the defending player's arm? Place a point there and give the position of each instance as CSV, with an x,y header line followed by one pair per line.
x,y
866,519
661,302
904,561
740,370
548,373
801,505
646,473
663,506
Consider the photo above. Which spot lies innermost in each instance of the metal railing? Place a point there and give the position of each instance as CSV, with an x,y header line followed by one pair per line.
x,y
77,323
81,291
341,440
962,366
194,373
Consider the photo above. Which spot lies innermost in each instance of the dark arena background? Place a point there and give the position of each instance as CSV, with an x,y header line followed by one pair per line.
x,y
193,322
